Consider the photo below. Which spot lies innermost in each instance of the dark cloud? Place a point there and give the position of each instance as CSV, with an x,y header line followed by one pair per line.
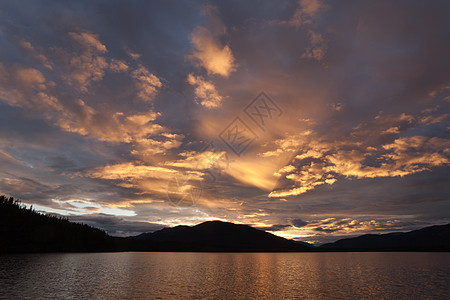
x,y
115,225
275,227
298,222
327,230
96,107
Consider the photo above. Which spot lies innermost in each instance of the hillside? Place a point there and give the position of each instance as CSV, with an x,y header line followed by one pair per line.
x,y
216,236
433,238
25,230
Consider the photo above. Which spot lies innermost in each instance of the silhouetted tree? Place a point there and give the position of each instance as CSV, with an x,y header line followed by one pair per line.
x,y
23,229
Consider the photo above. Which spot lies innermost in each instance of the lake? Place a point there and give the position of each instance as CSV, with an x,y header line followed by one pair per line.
x,y
150,275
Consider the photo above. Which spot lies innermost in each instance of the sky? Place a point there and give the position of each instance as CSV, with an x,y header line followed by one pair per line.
x,y
311,119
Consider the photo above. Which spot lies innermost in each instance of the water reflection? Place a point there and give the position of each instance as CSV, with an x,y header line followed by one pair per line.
x,y
225,275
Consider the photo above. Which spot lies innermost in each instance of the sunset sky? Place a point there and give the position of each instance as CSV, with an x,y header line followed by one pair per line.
x,y
311,119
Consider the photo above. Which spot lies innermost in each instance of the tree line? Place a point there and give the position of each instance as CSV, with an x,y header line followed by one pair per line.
x,y
23,229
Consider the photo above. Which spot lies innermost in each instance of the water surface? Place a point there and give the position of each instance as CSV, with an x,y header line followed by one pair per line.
x,y
139,275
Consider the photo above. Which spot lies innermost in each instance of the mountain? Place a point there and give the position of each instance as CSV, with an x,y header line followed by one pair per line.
x,y
433,238
25,230
215,236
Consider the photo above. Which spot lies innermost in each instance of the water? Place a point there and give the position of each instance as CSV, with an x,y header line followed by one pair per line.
x,y
133,275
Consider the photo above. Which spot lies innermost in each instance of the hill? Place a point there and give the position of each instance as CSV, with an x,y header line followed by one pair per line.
x,y
25,230
216,236
433,238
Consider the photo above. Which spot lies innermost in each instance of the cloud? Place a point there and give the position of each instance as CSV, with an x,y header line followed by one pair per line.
x,y
146,83
276,227
204,160
433,119
322,230
130,171
134,55
26,88
30,49
402,157
118,66
349,225
318,49
299,223
97,111
304,16
209,52
304,13
9,158
86,63
150,180
147,148
369,155
89,40
205,92
116,128
213,57
418,153
114,225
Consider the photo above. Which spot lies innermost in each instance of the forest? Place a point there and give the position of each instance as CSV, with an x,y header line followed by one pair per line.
x,y
23,229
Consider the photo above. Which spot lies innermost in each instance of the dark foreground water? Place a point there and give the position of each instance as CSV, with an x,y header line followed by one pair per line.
x,y
226,276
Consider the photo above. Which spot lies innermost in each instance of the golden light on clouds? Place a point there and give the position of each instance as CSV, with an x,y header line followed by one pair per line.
x,y
205,92
353,117
402,157
216,59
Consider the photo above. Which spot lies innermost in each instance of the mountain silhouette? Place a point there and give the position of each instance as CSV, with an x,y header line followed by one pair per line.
x,y
216,236
24,230
433,238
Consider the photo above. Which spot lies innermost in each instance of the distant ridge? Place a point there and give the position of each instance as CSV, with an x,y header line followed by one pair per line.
x,y
23,230
433,238
216,236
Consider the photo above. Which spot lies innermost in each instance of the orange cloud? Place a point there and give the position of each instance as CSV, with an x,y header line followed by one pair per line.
x,y
321,163
200,160
213,57
209,52
306,10
89,40
146,83
146,178
30,49
86,64
205,92
130,171
342,226
118,66
27,88
304,16
318,48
